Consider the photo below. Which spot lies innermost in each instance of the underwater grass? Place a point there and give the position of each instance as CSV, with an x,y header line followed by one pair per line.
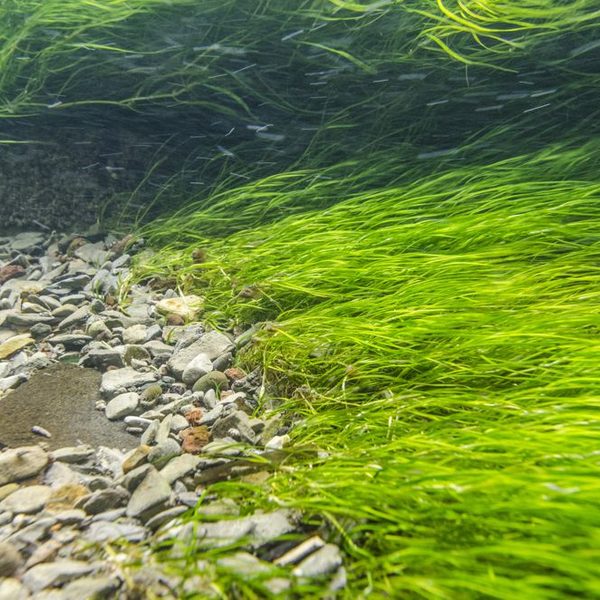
x,y
439,341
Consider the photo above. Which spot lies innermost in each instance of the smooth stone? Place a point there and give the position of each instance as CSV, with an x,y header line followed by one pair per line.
x,y
113,381
10,559
7,490
140,422
164,452
323,561
150,434
93,253
212,343
21,463
165,516
278,442
27,500
8,383
102,358
101,532
40,330
56,573
186,307
211,381
164,429
88,588
136,334
63,311
13,589
149,497
59,474
178,423
179,466
14,344
71,341
158,348
238,420
200,365
134,478
73,454
122,405
75,319
104,500
135,458
103,282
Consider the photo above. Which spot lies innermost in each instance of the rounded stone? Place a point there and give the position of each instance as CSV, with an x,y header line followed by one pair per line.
x,y
10,559
211,381
122,405
27,500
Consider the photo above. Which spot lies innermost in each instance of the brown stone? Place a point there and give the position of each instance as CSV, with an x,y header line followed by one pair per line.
x,y
235,373
10,272
194,416
65,497
194,439
136,458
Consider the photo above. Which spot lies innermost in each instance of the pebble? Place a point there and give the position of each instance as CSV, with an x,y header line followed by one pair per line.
x,y
46,575
179,466
162,453
73,454
13,589
212,343
27,500
323,561
149,497
122,405
10,559
21,463
199,365
113,381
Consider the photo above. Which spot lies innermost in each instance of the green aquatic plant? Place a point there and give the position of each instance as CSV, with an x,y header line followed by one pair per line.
x,y
437,340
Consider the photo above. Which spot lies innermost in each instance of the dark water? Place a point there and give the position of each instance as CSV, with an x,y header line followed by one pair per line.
x,y
60,399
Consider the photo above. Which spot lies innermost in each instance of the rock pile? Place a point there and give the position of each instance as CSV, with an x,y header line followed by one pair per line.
x,y
172,385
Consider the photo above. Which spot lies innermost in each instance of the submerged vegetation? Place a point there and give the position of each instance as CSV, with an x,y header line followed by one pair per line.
x,y
403,199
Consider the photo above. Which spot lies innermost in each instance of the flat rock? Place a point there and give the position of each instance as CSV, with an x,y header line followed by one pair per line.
x,y
102,358
13,589
10,559
113,381
179,466
122,405
73,454
14,344
186,307
212,343
325,560
149,497
162,453
54,574
136,334
21,463
104,531
27,500
200,365
87,588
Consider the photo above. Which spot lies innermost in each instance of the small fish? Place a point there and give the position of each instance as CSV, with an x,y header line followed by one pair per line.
x,y
41,431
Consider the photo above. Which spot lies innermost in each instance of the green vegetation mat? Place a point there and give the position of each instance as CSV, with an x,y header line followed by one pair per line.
x,y
403,199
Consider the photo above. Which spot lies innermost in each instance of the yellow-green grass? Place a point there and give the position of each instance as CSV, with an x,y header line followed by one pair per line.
x,y
439,341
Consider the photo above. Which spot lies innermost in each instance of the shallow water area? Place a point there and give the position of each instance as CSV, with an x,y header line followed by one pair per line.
x,y
61,399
